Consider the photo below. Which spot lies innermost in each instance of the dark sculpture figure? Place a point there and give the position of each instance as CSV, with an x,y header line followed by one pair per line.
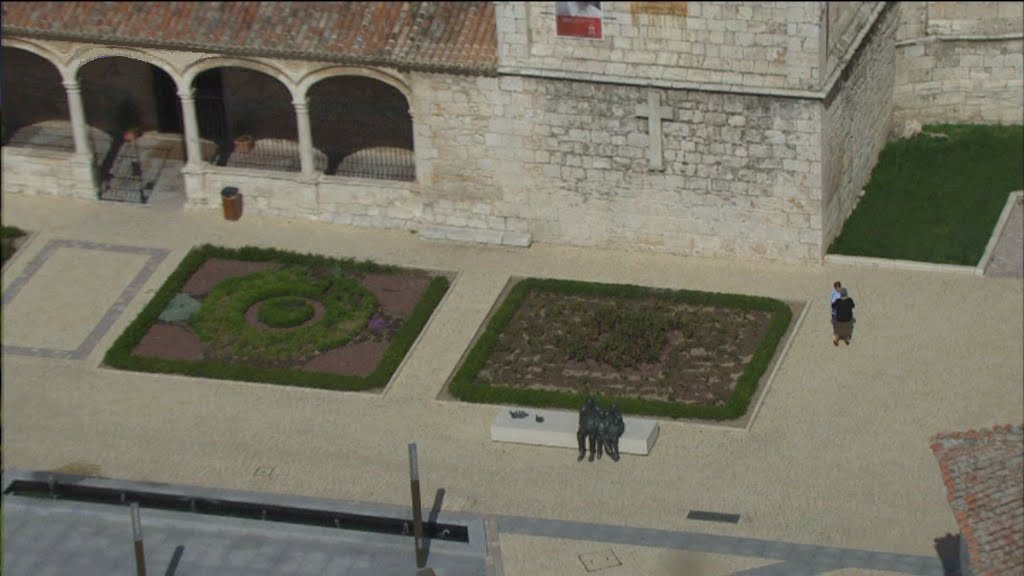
x,y
613,429
588,428
602,428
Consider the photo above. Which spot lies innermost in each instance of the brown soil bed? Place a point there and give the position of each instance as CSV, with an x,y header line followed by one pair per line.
x,y
699,363
398,294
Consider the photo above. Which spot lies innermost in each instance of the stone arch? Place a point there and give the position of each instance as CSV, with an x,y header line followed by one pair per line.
x,y
35,100
90,54
362,123
39,50
213,62
122,91
396,82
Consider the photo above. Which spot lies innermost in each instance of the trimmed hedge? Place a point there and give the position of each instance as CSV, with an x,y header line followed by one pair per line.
x,y
285,311
7,236
465,387
120,354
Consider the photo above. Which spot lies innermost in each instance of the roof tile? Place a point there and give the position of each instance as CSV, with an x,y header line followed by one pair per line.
x,y
438,36
983,471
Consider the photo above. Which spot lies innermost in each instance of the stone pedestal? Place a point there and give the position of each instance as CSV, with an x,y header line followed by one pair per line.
x,y
559,428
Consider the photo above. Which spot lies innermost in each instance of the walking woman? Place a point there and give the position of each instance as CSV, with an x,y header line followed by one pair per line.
x,y
843,325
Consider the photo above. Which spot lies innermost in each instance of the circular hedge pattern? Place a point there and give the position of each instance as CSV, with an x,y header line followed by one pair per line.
x,y
221,325
285,311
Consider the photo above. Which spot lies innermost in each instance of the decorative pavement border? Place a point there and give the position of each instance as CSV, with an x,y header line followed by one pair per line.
x,y
156,257
894,264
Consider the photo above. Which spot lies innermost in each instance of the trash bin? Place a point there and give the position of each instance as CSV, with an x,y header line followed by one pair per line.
x,y
232,201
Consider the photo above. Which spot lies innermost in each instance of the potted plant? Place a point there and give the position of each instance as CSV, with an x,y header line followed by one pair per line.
x,y
244,143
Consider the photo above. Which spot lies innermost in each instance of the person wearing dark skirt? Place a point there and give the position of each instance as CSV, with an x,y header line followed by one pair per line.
x,y
843,325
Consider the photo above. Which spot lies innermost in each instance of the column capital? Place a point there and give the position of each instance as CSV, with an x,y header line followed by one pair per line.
x,y
72,86
186,94
301,105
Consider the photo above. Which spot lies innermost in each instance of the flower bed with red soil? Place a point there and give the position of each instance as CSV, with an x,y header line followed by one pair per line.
x,y
176,345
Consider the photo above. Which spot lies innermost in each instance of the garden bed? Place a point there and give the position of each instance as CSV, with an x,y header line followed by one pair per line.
x,y
266,315
550,343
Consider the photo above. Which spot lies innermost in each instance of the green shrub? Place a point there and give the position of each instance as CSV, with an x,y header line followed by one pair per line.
x,y
620,335
465,386
285,311
7,236
120,353
221,324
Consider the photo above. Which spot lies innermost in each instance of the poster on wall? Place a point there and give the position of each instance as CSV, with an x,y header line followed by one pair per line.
x,y
578,19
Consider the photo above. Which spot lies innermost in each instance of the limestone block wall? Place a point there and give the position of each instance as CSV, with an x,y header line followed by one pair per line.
x,y
568,162
40,171
960,62
844,21
750,44
856,123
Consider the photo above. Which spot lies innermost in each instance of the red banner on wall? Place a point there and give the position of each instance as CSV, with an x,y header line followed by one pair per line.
x,y
578,19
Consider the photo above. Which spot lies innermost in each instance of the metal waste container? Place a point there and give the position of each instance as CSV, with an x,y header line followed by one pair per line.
x,y
232,201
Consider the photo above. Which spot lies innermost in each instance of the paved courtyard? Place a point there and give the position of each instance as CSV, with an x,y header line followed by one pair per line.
x,y
833,473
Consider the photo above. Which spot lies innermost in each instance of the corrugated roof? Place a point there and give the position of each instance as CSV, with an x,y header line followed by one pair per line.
x,y
984,475
434,36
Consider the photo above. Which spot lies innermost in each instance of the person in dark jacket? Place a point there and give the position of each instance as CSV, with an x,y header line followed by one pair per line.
x,y
843,324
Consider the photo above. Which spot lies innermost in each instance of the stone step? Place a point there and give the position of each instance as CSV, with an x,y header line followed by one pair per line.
x,y
559,427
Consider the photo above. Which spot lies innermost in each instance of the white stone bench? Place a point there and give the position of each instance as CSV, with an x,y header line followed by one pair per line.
x,y
559,429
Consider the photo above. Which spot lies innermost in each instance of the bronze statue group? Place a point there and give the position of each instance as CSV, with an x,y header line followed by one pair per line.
x,y
602,427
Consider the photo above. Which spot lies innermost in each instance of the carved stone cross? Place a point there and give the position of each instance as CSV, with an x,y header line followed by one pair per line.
x,y
655,113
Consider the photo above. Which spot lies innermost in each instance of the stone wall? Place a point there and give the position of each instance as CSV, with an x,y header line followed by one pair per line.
x,y
40,171
845,20
960,62
568,162
856,123
750,44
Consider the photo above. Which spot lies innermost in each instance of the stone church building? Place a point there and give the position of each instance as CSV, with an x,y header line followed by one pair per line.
x,y
717,129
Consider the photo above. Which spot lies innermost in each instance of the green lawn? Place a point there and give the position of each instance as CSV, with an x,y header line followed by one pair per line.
x,y
936,199
7,236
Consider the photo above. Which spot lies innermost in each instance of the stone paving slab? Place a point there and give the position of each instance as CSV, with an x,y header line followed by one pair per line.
x,y
70,294
837,457
540,556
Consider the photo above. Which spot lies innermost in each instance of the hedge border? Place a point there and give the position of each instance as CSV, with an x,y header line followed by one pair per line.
x,y
464,387
120,353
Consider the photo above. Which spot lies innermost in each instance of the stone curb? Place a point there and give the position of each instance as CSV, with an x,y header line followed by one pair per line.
x,y
778,364
891,264
1013,198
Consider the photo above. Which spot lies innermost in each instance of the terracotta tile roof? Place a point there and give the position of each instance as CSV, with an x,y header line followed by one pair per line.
x,y
457,37
984,475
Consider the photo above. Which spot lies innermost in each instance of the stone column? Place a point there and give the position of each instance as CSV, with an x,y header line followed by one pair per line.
x,y
193,152
305,138
84,177
79,128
